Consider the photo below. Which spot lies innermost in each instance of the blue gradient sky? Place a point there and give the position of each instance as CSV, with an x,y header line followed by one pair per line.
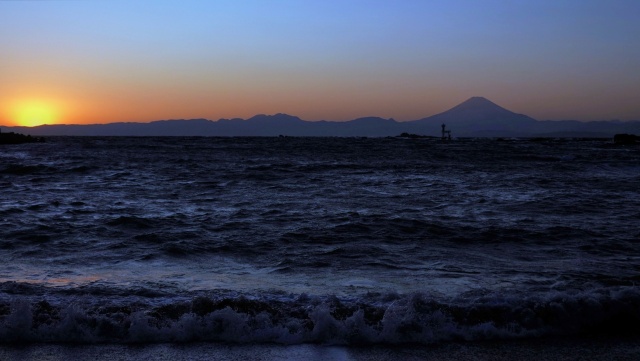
x,y
107,61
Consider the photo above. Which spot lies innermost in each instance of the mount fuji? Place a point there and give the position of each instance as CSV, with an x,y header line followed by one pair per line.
x,y
479,116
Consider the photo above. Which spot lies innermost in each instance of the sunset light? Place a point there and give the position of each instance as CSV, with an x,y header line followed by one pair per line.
x,y
320,180
31,113
128,61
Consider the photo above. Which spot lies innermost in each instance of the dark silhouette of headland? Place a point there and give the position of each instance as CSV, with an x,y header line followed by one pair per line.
x,y
17,138
626,139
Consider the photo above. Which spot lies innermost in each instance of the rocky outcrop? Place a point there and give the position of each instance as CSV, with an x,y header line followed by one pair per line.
x,y
625,139
17,138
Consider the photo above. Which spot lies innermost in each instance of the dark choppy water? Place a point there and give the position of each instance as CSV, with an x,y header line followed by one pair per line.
x,y
332,240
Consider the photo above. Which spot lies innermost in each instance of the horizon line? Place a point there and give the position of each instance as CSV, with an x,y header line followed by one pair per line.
x,y
292,116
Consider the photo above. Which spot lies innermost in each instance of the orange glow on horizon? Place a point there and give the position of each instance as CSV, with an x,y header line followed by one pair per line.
x,y
32,112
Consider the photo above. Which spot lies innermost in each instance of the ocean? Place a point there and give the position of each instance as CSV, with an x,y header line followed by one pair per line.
x,y
348,242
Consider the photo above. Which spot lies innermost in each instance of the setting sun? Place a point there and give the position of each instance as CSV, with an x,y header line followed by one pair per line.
x,y
31,113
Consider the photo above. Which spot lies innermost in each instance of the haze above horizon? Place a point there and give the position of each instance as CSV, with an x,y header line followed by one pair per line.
x,y
100,62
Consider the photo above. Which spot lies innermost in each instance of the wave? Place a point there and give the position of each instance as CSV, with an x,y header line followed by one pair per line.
x,y
372,319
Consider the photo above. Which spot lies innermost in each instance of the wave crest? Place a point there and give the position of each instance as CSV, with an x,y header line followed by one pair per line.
x,y
375,319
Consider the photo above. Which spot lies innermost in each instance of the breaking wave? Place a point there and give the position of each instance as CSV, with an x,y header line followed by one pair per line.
x,y
295,319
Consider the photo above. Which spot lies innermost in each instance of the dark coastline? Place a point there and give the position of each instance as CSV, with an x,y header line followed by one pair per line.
x,y
17,138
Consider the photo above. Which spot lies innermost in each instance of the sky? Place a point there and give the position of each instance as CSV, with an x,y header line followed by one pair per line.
x,y
82,62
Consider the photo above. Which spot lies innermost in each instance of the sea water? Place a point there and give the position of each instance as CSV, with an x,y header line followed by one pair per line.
x,y
343,241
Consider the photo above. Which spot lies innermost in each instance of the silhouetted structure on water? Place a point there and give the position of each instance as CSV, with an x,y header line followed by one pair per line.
x,y
446,134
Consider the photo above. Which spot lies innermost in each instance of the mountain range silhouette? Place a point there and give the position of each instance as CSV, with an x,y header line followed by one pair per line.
x,y
475,117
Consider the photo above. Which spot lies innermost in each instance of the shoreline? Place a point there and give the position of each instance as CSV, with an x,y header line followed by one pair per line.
x,y
587,348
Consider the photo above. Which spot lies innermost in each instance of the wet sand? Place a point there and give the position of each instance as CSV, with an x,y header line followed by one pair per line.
x,y
562,349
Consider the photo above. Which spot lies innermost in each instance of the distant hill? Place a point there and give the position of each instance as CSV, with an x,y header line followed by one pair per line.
x,y
479,117
475,117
